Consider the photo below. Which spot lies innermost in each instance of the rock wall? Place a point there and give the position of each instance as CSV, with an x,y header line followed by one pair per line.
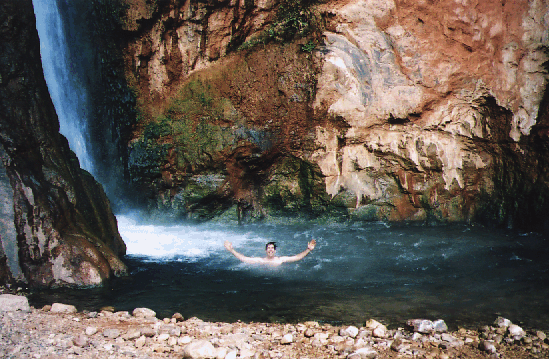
x,y
393,110
56,226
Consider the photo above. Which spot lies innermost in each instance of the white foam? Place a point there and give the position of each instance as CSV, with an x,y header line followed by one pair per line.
x,y
191,241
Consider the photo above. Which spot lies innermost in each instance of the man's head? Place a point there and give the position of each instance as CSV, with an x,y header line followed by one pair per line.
x,y
270,248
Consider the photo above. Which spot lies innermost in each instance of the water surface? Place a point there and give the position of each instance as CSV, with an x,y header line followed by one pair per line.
x,y
466,275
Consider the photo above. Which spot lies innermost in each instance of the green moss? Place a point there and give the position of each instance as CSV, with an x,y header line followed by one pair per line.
x,y
297,186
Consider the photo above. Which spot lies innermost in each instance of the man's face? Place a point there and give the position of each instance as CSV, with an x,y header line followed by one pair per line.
x,y
271,251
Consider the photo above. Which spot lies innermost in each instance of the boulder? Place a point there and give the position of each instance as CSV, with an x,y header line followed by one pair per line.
x,y
11,303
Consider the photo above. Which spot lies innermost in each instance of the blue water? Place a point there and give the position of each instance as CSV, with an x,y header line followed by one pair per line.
x,y
466,275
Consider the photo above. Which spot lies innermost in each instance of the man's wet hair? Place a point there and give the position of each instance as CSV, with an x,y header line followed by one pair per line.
x,y
273,243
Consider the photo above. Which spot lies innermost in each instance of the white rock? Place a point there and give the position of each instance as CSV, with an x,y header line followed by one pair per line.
x,y
91,330
380,332
440,326
144,313
350,331
423,326
221,353
112,333
11,303
132,334
172,341
184,340
200,349
287,339
246,353
515,332
231,355
62,308
163,337
372,324
502,322
140,342
363,353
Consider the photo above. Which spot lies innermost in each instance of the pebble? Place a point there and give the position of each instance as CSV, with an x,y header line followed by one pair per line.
x,y
40,334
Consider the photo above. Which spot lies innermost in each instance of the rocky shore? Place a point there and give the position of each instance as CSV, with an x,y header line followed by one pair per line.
x,y
60,331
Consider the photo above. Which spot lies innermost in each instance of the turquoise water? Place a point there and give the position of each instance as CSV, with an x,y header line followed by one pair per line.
x,y
466,275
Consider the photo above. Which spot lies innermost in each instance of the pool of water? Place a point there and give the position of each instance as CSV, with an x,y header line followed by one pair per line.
x,y
466,275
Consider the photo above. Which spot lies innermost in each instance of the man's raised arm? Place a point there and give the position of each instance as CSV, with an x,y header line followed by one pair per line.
x,y
240,256
310,246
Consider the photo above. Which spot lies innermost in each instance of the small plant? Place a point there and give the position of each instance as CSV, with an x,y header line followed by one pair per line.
x,y
308,47
294,18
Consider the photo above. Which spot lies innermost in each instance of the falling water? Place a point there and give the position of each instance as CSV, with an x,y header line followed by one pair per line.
x,y
68,94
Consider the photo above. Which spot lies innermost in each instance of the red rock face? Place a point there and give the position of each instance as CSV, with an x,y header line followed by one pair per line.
x,y
57,225
405,110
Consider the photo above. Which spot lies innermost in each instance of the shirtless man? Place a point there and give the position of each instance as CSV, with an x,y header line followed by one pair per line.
x,y
271,258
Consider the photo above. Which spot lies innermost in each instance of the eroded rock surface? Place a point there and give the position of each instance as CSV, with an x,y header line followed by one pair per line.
x,y
394,110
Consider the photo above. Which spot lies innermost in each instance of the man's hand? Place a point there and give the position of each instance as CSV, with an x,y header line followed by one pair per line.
x,y
311,245
228,245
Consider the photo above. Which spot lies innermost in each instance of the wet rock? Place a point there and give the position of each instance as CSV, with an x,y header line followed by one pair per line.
x,y
11,303
144,313
63,308
200,349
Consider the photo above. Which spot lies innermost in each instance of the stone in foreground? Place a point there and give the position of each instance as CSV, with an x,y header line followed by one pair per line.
x,y
11,303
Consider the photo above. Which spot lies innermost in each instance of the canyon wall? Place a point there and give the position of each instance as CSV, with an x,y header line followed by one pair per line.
x,y
56,224
368,109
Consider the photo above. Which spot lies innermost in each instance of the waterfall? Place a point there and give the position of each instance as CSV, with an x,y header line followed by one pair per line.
x,y
68,93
